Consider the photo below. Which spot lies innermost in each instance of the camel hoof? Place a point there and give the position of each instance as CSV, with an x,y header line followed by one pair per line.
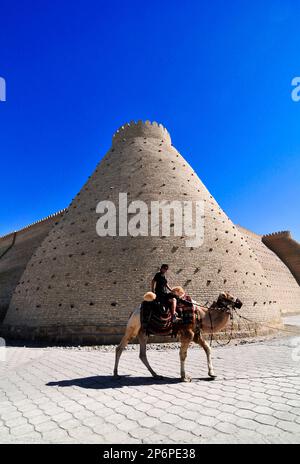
x,y
158,377
117,376
186,379
212,376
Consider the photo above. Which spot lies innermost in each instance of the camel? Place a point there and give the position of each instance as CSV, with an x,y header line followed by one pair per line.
x,y
208,320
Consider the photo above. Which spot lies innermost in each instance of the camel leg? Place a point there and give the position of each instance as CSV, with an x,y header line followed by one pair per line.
x,y
207,350
185,341
143,356
119,350
132,329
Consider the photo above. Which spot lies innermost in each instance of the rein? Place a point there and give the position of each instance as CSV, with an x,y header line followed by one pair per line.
x,y
268,326
212,334
218,308
231,312
248,320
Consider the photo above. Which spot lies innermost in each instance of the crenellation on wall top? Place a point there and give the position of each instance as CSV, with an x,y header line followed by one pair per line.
x,y
58,213
279,234
145,129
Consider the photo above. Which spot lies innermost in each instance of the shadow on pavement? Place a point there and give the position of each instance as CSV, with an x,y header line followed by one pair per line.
x,y
108,381
207,379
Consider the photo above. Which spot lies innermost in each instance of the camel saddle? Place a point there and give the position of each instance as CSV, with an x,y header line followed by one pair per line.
x,y
156,319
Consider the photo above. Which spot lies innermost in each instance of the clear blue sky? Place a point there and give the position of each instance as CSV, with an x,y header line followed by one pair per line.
x,y
217,74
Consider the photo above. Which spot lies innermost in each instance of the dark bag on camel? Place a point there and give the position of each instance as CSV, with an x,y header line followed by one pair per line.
x,y
155,318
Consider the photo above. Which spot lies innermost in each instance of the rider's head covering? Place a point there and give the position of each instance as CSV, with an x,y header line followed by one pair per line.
x,y
178,291
149,296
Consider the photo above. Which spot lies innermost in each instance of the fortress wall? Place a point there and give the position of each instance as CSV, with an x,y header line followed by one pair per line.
x,y
287,249
69,284
16,249
82,287
285,288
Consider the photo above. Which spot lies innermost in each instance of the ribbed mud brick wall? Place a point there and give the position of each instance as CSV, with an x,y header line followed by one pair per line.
x,y
284,286
82,287
16,250
287,249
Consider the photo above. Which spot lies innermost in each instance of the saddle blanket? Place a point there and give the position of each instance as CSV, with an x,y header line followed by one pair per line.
x,y
157,320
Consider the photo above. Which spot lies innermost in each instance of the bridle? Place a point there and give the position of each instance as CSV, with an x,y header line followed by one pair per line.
x,y
225,305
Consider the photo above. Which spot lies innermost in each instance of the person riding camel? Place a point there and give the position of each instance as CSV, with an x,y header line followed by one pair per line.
x,y
151,303
182,299
160,287
159,284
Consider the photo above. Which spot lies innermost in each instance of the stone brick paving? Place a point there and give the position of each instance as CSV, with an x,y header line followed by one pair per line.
x,y
55,395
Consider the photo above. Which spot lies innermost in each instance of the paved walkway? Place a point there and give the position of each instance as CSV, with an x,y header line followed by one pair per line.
x,y
54,395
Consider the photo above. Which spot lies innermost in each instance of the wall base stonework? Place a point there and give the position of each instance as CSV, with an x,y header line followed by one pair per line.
x,y
106,335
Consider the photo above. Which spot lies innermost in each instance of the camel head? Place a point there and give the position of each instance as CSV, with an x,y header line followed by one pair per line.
x,y
226,302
